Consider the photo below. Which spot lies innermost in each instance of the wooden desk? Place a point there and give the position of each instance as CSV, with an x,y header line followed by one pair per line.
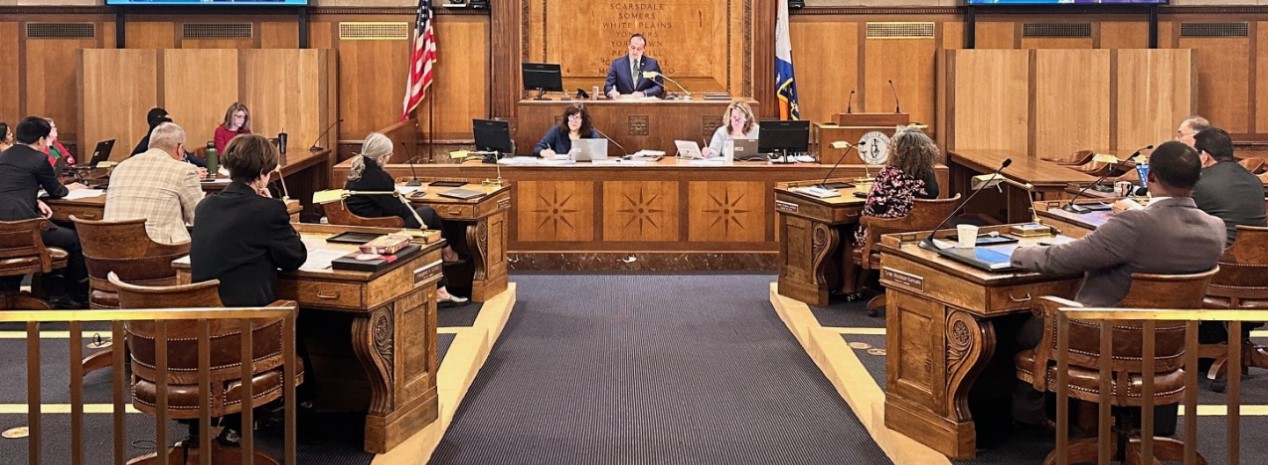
x,y
484,222
635,124
94,208
940,328
668,216
1073,224
815,253
1013,205
371,337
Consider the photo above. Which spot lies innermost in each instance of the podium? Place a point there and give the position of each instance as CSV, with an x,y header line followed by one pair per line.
x,y
851,127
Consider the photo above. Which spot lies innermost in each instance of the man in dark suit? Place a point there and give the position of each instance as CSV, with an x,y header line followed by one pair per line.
x,y
625,76
1170,236
24,169
1227,190
242,236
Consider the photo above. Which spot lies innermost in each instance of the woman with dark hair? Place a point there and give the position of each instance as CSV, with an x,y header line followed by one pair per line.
x,y
243,236
909,175
237,122
575,124
367,175
6,136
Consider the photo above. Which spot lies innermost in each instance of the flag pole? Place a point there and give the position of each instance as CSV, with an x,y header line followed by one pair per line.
x,y
431,131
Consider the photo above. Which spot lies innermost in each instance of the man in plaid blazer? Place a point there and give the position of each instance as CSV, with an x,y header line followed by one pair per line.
x,y
158,186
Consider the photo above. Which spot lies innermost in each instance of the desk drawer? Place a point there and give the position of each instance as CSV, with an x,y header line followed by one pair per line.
x,y
455,211
328,294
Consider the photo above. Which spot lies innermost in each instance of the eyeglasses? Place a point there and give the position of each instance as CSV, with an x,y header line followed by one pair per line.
x,y
576,117
1181,134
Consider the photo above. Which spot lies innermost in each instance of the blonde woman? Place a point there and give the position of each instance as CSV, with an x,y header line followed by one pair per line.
x,y
909,175
737,123
237,122
367,175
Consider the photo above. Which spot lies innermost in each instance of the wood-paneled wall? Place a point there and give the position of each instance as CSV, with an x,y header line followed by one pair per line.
x,y
479,52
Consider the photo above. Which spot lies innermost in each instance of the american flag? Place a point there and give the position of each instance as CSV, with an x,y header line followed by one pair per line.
x,y
421,60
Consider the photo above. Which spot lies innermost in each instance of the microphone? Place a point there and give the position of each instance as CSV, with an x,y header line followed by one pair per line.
x,y
1142,149
1079,209
315,147
849,105
849,147
895,92
618,144
286,194
654,75
929,240
413,182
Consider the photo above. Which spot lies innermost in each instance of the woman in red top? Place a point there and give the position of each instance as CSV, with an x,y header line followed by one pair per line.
x,y
237,122
55,149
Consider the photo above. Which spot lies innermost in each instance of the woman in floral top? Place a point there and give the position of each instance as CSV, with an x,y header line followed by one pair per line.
x,y
909,175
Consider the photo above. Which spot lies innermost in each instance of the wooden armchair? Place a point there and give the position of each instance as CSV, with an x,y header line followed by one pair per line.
x,y
182,386
1241,284
1255,165
124,248
1038,366
338,213
1075,159
925,215
22,250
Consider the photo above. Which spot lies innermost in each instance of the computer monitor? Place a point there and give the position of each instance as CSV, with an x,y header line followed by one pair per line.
x,y
542,77
493,136
785,137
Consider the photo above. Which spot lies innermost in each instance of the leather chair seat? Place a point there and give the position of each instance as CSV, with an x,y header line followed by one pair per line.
x,y
1085,384
18,266
226,398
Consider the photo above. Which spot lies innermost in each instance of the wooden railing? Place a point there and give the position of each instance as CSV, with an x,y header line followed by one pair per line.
x,y
1150,318
161,318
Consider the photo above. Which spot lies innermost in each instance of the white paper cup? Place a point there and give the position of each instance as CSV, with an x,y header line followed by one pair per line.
x,y
968,235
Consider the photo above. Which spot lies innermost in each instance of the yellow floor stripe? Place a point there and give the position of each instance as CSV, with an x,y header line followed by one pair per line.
x,y
857,331
15,409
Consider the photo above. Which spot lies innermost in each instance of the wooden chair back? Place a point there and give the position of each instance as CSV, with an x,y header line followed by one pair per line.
x,y
338,213
22,249
182,347
1079,157
1177,291
925,215
123,247
1255,165
1242,282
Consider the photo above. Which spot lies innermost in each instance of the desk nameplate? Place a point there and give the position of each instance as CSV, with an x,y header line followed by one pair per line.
x,y
906,280
784,206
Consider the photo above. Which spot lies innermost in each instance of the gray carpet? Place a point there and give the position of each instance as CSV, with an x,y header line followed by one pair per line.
x,y
618,369
461,315
842,314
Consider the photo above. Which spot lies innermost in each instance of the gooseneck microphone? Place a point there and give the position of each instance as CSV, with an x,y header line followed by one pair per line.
x,y
845,152
1079,209
315,147
1142,149
413,182
849,104
618,144
929,240
897,109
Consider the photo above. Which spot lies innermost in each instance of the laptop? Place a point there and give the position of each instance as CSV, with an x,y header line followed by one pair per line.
x,y
688,149
589,150
747,149
101,152
460,193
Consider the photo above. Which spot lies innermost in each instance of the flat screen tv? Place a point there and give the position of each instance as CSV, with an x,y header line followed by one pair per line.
x,y
1066,2
208,2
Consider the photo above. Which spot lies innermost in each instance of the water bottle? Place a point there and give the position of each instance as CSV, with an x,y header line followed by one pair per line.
x,y
213,162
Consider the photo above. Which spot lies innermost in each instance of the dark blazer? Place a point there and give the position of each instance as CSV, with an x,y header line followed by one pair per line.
x,y
242,239
375,179
1231,193
23,171
557,139
1170,236
620,79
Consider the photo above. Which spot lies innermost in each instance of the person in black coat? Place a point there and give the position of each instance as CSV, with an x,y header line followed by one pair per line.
x,y
243,236
367,175
24,169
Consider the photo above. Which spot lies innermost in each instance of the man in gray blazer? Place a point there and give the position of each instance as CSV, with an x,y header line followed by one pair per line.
x,y
1170,236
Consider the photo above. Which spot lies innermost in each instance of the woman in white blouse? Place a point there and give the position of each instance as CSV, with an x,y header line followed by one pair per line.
x,y
738,124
